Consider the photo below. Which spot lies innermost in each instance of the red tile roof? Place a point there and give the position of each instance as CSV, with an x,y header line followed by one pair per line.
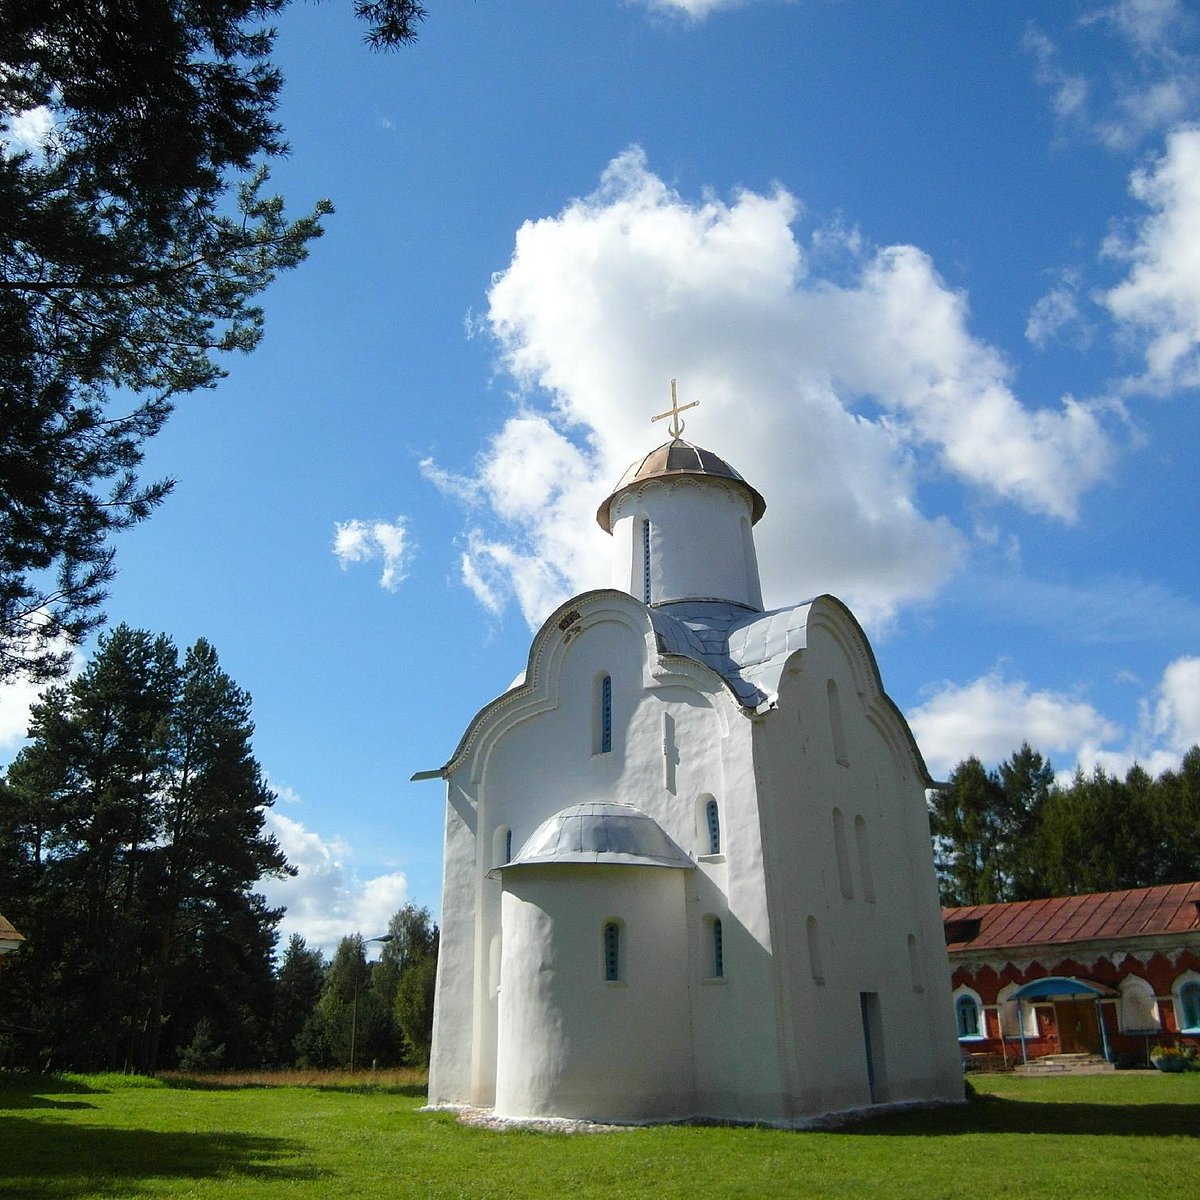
x,y
1141,912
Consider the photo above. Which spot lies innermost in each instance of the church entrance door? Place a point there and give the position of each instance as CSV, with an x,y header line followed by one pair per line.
x,y
1078,1030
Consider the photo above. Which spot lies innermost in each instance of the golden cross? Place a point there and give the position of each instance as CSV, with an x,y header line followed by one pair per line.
x,y
674,411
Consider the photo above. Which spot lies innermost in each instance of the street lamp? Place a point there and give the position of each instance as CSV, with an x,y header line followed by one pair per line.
x,y
383,937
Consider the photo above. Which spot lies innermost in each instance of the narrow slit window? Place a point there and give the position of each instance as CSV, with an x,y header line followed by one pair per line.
x,y
612,952
713,818
606,714
508,845
718,950
646,561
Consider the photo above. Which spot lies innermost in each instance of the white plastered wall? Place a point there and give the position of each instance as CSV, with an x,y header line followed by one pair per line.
x,y
571,1043
873,782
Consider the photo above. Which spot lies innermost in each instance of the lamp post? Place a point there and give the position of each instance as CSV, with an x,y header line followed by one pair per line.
x,y
383,937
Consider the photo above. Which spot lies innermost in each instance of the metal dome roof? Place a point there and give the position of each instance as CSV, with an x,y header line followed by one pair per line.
x,y
610,834
677,458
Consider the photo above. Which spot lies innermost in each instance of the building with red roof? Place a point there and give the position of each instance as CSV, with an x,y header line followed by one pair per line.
x,y
1110,974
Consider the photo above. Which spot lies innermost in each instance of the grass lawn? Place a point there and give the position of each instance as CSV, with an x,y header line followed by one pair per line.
x,y
76,1137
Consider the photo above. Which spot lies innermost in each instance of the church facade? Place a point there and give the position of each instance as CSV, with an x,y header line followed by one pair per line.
x,y
688,871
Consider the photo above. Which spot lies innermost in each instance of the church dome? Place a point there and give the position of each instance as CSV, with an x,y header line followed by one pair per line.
x,y
614,834
674,459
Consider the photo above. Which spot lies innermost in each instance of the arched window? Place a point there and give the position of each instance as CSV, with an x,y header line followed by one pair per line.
x,y
602,725
612,951
646,560
713,821
968,1016
1189,1007
966,1012
718,950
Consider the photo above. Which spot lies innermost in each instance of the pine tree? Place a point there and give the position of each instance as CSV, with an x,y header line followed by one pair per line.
x,y
298,984
132,834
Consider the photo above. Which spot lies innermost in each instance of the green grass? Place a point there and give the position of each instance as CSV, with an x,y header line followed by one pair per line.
x,y
85,1137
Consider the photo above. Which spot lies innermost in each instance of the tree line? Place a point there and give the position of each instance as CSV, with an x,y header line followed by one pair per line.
x,y
132,835
1018,833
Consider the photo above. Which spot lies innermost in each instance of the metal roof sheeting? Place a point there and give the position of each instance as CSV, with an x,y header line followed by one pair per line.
x,y
747,649
677,458
1098,916
596,832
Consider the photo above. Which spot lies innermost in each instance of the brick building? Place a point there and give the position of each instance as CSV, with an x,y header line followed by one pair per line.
x,y
1111,974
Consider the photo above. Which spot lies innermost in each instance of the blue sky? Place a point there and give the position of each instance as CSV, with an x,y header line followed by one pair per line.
x,y
932,271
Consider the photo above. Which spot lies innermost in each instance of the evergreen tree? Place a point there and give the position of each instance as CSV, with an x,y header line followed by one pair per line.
x,y
131,830
133,248
1026,780
966,819
298,984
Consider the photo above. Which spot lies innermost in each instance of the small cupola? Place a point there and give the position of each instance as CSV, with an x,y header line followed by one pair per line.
x,y
681,520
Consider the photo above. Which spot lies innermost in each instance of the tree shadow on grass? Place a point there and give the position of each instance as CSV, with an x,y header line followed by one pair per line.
x,y
415,1091
21,1090
45,1160
994,1114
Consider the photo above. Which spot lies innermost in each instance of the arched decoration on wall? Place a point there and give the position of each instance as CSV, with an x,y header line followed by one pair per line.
x,y
864,859
714,936
968,1015
1012,1014
612,939
1185,992
843,854
837,729
501,846
814,951
915,973
494,966
1138,1012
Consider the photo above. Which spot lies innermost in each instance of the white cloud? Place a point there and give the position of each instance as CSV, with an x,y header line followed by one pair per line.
x,y
991,716
826,396
18,696
365,541
1056,317
1160,297
326,901
697,10
1155,86
28,130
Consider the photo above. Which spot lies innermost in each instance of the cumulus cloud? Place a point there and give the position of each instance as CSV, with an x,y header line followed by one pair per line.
x,y
991,716
326,900
367,541
828,396
1159,300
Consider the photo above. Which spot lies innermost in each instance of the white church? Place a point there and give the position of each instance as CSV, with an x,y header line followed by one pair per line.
x,y
688,871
